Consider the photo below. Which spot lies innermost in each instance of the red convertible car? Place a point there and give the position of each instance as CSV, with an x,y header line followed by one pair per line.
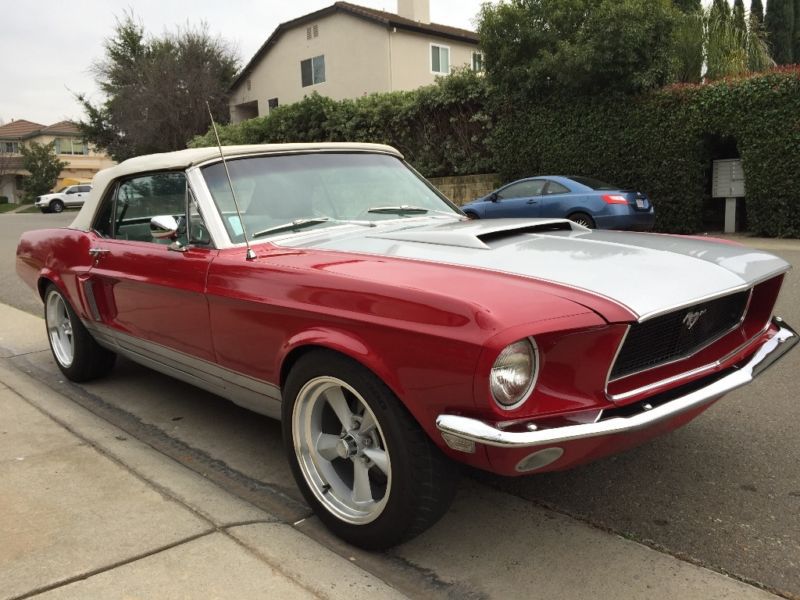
x,y
330,286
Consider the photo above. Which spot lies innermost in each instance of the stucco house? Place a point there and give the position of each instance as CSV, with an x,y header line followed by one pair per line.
x,y
83,161
347,51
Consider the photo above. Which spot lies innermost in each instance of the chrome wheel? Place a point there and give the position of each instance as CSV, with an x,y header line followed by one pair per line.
x,y
59,328
341,450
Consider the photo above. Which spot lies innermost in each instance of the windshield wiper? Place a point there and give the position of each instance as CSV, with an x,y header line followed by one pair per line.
x,y
403,209
293,226
309,222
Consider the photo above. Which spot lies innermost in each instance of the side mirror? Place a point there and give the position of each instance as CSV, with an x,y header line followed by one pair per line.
x,y
163,227
494,197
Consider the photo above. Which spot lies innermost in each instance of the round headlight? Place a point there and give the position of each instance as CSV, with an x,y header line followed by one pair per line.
x,y
513,373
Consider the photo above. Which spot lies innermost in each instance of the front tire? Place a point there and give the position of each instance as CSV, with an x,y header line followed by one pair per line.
x,y
56,206
76,352
360,459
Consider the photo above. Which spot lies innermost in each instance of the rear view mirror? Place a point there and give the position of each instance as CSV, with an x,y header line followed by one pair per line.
x,y
494,197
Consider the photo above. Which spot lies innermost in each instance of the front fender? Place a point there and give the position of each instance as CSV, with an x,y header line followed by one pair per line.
x,y
344,342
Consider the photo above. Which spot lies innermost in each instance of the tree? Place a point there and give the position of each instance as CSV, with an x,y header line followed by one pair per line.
x,y
779,23
540,47
725,46
738,15
687,6
721,9
41,162
757,11
156,89
796,44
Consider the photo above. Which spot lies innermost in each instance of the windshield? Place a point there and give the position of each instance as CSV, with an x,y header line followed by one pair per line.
x,y
595,184
319,190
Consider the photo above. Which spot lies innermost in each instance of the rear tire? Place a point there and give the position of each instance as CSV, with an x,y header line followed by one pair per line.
x,y
76,352
582,219
362,462
56,206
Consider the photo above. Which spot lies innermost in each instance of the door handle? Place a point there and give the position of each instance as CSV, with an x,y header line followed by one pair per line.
x,y
532,201
98,252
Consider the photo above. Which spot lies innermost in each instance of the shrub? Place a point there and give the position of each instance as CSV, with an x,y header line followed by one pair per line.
x,y
659,143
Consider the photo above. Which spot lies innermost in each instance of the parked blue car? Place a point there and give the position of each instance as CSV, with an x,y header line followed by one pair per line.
x,y
584,200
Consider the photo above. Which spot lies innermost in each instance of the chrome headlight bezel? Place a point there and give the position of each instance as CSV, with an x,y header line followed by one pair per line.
x,y
532,351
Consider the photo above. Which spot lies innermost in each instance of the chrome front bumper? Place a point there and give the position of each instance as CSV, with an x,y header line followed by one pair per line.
x,y
461,433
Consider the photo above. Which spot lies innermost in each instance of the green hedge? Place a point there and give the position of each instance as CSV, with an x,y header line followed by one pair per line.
x,y
659,142
441,129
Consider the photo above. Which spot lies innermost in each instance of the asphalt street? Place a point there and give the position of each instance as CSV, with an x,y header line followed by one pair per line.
x,y
723,492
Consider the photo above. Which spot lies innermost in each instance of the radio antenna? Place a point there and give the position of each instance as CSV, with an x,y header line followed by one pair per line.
x,y
251,254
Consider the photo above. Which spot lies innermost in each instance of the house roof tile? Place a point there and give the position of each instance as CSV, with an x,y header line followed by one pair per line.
x,y
67,127
19,129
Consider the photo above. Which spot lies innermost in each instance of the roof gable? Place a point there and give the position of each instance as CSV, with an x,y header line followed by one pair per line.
x,y
20,129
65,127
378,17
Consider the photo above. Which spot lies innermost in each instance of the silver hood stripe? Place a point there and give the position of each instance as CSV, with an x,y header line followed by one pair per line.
x,y
647,273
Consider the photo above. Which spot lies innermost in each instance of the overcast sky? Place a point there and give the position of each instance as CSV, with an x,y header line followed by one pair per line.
x,y
49,45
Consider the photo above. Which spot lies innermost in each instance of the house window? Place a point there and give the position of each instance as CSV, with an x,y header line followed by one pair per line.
x,y
10,147
312,32
440,59
477,62
272,103
312,71
71,146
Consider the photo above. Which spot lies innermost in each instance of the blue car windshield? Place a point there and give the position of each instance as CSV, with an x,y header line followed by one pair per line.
x,y
595,184
319,189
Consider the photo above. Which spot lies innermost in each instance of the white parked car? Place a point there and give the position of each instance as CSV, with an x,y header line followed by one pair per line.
x,y
71,196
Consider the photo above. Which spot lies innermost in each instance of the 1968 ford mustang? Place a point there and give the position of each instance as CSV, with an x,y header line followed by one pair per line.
x,y
332,287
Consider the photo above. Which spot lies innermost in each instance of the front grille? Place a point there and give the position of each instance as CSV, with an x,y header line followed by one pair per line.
x,y
678,334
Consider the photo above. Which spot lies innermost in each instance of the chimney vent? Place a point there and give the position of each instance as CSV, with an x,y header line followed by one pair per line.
x,y
416,10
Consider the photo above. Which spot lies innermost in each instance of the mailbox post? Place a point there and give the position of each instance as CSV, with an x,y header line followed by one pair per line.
x,y
728,183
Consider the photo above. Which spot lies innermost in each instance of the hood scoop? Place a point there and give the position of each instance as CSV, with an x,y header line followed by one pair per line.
x,y
478,233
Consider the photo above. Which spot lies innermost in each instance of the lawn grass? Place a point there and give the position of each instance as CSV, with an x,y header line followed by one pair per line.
x,y
31,209
7,207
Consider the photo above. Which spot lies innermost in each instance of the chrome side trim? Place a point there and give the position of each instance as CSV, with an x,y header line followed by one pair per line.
x,y
484,433
250,393
690,355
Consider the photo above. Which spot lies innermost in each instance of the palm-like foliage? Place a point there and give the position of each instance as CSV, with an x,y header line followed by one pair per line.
x,y
711,44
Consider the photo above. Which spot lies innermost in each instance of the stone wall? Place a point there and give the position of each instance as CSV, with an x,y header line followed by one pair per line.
x,y
464,188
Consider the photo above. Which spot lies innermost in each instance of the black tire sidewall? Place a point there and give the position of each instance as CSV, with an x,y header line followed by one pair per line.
x,y
56,206
585,216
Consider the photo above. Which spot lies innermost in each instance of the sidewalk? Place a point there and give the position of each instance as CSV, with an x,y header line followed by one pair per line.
x,y
87,511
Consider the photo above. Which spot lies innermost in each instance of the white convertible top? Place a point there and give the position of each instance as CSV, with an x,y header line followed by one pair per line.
x,y
183,159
